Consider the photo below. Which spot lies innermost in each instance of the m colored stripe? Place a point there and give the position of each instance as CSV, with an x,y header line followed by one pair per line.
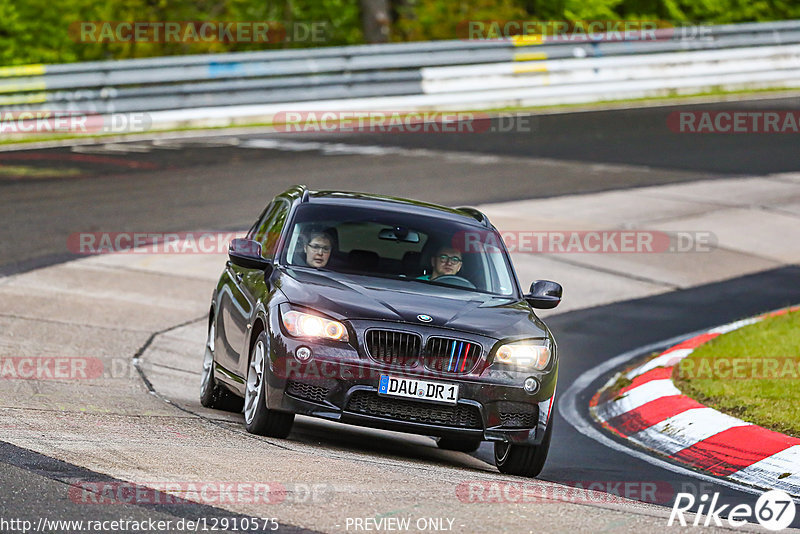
x,y
466,353
457,346
452,352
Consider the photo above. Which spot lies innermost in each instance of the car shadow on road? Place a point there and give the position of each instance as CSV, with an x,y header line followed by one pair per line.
x,y
384,444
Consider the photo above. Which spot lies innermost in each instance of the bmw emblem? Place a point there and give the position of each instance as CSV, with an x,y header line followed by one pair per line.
x,y
424,318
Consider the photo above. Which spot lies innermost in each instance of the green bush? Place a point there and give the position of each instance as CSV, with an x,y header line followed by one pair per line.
x,y
38,31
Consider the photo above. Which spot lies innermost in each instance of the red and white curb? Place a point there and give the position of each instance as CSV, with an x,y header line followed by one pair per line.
x,y
653,413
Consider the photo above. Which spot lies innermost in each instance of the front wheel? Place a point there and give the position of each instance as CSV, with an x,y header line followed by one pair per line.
x,y
258,419
523,460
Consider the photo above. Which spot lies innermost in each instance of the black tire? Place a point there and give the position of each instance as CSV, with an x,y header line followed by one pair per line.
x,y
258,418
213,395
523,460
458,444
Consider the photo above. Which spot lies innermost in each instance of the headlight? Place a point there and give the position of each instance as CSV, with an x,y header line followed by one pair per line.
x,y
530,354
301,324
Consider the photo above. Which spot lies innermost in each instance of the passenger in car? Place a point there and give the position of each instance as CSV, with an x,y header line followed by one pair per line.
x,y
446,261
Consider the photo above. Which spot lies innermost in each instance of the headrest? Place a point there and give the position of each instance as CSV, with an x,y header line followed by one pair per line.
x,y
363,260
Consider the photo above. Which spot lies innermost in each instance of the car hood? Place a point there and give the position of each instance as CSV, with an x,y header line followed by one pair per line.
x,y
353,297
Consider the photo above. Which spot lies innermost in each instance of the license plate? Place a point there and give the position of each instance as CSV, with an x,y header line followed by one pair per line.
x,y
411,388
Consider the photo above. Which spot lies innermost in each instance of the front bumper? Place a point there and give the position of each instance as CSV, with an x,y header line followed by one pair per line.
x,y
340,383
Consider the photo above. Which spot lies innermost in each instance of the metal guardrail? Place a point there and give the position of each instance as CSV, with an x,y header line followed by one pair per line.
x,y
406,70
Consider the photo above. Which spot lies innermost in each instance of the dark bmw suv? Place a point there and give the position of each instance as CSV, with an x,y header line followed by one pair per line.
x,y
388,313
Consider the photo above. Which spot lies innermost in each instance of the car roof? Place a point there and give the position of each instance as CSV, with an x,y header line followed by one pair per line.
x,y
382,202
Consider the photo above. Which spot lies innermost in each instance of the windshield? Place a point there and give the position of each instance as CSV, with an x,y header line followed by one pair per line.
x,y
398,245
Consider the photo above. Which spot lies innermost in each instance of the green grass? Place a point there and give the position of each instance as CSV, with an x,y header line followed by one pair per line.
x,y
27,171
752,373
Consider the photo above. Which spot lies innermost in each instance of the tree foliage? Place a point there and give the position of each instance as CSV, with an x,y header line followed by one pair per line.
x,y
38,31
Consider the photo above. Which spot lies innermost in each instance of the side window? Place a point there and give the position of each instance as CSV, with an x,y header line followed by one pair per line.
x,y
252,231
269,227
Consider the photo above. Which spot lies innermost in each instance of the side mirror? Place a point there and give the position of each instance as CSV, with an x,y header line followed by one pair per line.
x,y
247,253
544,294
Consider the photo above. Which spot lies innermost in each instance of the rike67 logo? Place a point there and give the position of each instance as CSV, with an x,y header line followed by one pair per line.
x,y
774,510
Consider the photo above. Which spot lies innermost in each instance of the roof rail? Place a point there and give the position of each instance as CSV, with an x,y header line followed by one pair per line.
x,y
297,191
475,214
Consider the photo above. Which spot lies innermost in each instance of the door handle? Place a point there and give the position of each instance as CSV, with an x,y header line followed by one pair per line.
x,y
238,277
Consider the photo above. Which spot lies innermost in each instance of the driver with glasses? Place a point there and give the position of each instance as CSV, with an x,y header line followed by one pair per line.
x,y
318,249
446,262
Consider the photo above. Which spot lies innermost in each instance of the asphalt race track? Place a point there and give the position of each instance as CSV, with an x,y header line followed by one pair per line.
x,y
191,184
216,183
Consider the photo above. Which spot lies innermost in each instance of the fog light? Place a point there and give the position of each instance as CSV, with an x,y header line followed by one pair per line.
x,y
531,385
303,354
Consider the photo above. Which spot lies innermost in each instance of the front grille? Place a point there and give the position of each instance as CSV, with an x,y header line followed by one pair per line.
x,y
400,349
303,390
451,355
370,403
518,414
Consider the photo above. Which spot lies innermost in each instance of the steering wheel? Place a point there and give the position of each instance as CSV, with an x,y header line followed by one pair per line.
x,y
453,280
